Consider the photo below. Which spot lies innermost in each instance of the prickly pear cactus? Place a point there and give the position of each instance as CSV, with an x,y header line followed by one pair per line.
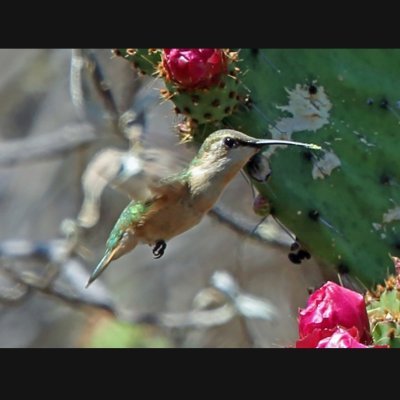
x,y
343,203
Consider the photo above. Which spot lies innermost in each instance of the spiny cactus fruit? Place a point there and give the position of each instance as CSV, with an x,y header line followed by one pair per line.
x,y
194,68
203,84
383,306
343,204
145,60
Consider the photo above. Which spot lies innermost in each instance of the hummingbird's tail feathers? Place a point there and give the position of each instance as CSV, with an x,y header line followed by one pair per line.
x,y
101,266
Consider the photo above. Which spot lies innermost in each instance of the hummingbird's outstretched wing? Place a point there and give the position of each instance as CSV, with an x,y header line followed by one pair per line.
x,y
134,172
171,186
160,168
100,171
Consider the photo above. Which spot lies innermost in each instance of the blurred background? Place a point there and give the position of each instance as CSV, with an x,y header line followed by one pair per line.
x,y
55,116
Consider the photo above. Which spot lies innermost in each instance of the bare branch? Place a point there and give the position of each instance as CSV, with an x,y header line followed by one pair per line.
x,y
60,274
192,319
132,85
214,306
66,276
101,87
269,236
47,145
83,60
76,80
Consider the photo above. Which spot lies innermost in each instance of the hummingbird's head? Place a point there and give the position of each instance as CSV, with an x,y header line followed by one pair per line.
x,y
221,157
227,147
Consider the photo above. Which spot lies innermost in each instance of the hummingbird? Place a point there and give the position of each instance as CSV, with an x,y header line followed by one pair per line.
x,y
127,171
178,202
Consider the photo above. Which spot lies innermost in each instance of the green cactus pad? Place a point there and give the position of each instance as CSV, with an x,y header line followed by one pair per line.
x,y
342,203
145,60
386,333
206,105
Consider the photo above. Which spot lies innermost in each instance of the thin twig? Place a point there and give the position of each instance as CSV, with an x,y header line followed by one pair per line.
x,y
245,228
192,319
76,81
67,275
103,90
132,85
48,145
77,301
85,60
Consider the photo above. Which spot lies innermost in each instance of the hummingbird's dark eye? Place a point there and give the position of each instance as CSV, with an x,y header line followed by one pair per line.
x,y
230,142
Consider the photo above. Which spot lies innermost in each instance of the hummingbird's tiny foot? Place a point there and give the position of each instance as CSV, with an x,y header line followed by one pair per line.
x,y
159,248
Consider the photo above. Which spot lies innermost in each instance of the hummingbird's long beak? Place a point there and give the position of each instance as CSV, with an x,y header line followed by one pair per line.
x,y
259,143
